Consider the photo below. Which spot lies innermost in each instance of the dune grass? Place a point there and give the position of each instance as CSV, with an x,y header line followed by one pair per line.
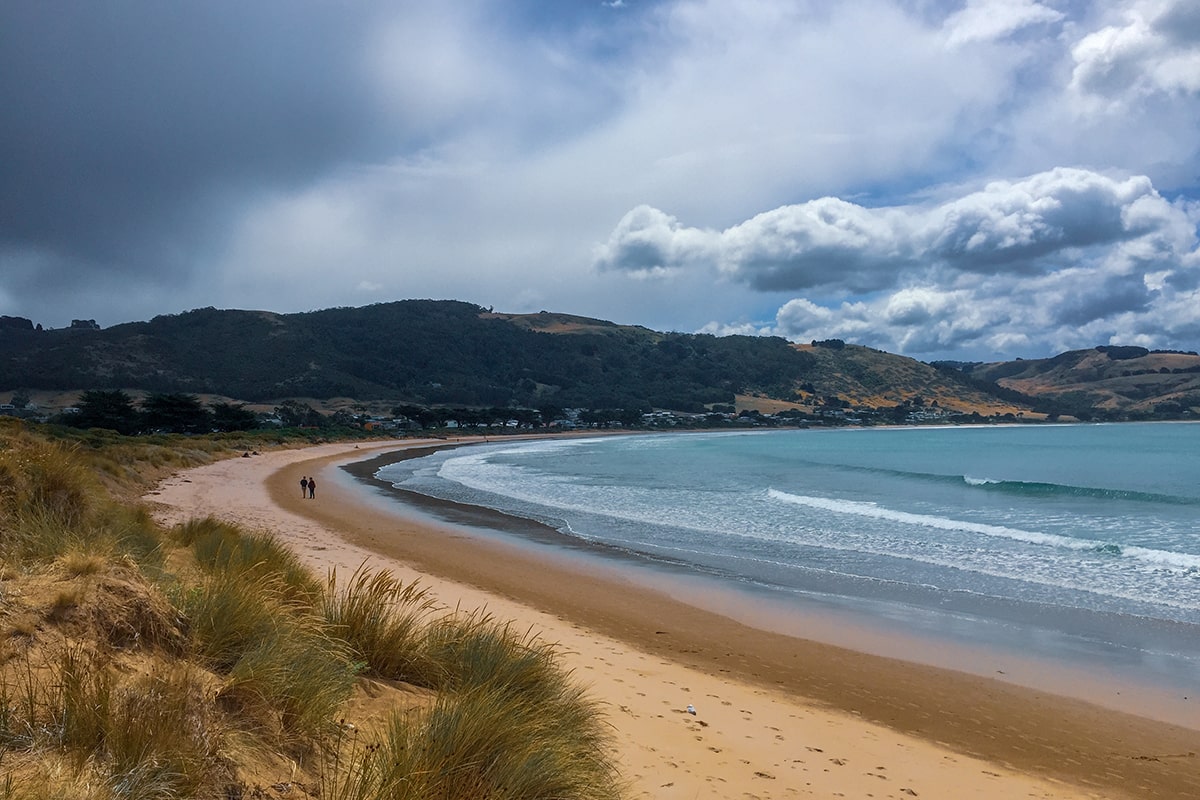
x,y
152,735
132,672
221,548
384,623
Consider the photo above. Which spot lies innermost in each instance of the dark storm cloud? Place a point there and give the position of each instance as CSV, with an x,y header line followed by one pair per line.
x,y
1102,299
158,156
128,124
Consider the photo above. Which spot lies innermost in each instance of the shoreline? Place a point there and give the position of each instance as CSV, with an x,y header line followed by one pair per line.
x,y
1011,642
1053,746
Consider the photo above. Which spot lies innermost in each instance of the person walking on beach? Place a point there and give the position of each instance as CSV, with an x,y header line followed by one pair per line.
x,y
304,486
312,488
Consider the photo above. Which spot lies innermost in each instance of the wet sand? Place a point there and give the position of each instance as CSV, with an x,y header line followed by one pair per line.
x,y
777,715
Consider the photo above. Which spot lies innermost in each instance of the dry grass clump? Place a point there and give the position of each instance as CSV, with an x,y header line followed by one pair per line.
x,y
46,495
223,548
383,622
150,737
142,663
508,723
44,479
78,563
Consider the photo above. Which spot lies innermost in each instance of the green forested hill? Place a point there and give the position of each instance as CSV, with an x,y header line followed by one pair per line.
x,y
415,350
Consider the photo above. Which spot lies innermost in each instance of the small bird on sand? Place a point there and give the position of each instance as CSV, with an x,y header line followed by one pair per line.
x,y
691,709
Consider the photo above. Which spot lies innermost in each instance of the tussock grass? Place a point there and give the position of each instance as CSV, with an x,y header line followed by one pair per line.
x,y
149,660
227,615
67,598
493,742
44,480
296,681
131,532
153,737
475,649
162,738
510,724
251,619
77,563
382,621
220,547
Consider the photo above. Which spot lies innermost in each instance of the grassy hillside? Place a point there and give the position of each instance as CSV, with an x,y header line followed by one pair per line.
x,y
1124,380
872,378
203,661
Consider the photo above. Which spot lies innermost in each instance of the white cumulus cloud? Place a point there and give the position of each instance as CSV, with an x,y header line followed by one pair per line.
x,y
1034,224
1154,48
1053,260
987,20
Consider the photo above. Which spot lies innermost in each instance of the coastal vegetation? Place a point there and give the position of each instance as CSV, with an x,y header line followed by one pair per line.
x,y
204,660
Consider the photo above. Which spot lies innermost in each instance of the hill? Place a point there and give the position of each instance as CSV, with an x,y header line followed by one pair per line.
x,y
432,353
1104,381
441,352
417,351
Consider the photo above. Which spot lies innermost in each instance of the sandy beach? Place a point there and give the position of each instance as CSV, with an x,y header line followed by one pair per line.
x,y
776,716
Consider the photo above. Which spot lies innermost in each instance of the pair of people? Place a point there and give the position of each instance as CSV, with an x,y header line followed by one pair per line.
x,y
308,487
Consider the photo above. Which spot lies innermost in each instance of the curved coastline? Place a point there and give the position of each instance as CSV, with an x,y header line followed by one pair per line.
x,y
1059,647
948,719
1044,734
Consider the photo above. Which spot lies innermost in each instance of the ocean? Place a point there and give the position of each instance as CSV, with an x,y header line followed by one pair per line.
x,y
1074,542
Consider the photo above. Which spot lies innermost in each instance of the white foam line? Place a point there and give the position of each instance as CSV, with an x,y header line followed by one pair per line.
x,y
1182,561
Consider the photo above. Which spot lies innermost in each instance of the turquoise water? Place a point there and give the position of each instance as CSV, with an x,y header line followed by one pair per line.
x,y
1088,531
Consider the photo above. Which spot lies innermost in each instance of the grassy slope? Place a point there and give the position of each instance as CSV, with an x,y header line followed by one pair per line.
x,y
205,661
867,377
1130,384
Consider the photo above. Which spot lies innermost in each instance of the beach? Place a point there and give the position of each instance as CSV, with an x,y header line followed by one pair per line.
x,y
775,715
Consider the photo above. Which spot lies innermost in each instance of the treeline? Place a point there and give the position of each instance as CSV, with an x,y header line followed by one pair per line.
x,y
156,413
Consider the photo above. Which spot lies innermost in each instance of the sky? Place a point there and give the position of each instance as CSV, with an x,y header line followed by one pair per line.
x,y
966,179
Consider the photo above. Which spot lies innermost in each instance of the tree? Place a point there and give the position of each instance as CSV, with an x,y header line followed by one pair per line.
x,y
299,415
231,417
176,413
408,411
100,408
